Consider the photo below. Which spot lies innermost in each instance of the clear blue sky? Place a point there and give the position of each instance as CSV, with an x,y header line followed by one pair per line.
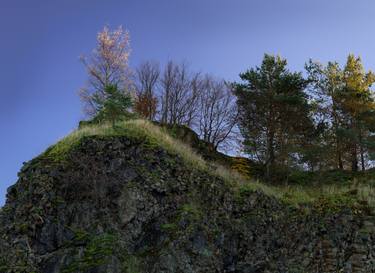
x,y
41,40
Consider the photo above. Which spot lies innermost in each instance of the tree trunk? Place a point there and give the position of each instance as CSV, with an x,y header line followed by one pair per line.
x,y
354,158
164,118
338,143
271,155
362,152
363,159
341,165
339,155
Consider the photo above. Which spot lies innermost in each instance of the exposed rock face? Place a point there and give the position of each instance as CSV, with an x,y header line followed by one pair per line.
x,y
119,205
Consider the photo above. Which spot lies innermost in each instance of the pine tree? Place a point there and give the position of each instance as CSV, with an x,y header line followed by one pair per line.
x,y
273,112
347,105
326,83
356,100
113,105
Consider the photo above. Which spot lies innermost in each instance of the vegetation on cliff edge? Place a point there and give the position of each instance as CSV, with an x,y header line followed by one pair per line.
x,y
354,190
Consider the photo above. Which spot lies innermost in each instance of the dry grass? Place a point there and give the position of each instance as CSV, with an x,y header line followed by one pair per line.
x,y
172,145
366,192
158,136
295,194
155,135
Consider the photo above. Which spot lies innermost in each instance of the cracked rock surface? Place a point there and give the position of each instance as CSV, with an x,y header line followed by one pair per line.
x,y
117,205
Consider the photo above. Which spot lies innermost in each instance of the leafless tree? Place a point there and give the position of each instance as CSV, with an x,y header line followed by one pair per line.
x,y
217,112
147,76
202,103
179,95
167,83
107,65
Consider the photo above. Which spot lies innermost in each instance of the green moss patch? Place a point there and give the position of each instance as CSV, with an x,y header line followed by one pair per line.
x,y
97,251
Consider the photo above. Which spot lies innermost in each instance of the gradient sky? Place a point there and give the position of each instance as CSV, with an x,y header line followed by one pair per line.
x,y
41,41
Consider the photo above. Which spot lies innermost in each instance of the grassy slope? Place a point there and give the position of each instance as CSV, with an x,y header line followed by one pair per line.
x,y
333,195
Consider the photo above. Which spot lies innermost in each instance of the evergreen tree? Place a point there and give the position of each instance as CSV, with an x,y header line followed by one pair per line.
x,y
273,112
326,83
357,102
113,105
347,104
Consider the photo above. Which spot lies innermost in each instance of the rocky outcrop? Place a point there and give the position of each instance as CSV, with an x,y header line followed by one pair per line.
x,y
122,205
246,167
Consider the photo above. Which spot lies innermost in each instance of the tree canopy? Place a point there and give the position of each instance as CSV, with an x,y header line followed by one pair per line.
x,y
322,119
274,112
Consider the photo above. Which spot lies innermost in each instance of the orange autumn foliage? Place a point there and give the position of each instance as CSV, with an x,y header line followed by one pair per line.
x,y
146,105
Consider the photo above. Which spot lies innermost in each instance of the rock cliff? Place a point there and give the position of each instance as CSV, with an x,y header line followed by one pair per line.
x,y
122,204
